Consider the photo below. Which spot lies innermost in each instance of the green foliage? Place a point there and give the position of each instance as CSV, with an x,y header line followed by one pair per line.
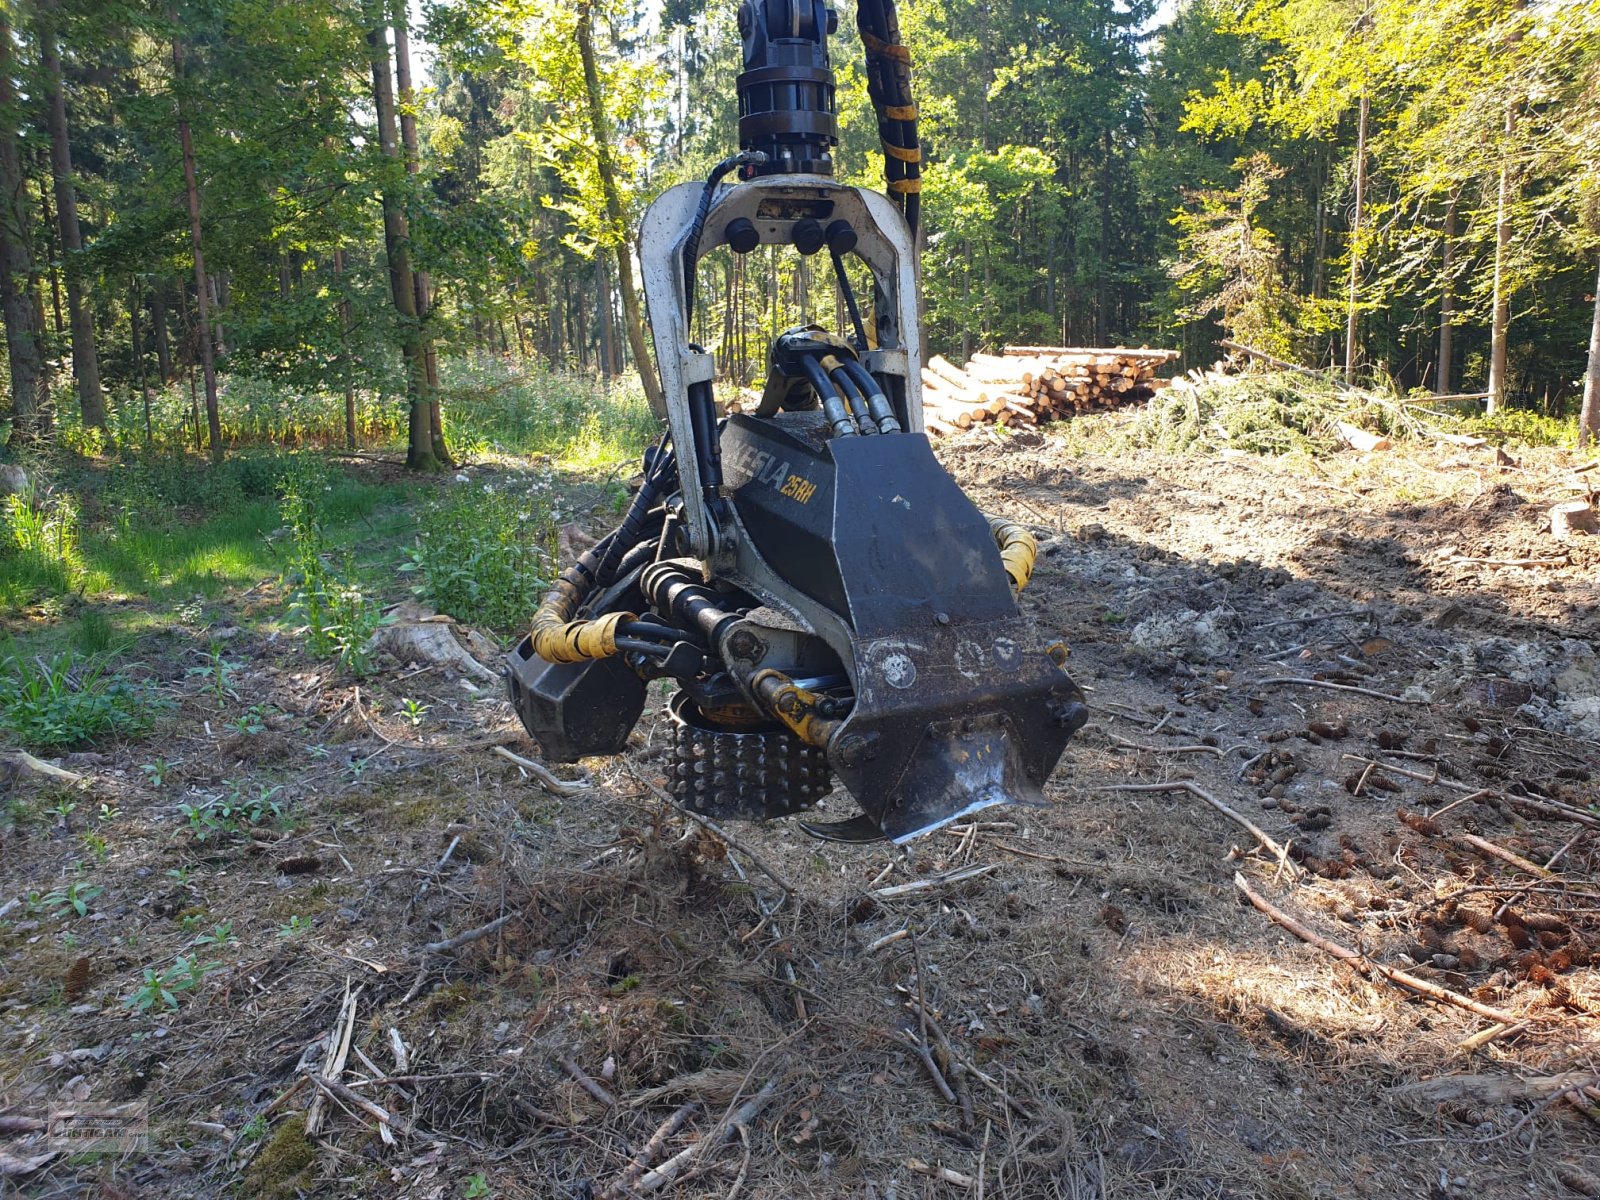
x,y
484,553
157,772
1230,267
232,811
39,552
1258,414
72,701
1519,425
339,617
162,989
221,934
569,418
93,634
216,674
76,896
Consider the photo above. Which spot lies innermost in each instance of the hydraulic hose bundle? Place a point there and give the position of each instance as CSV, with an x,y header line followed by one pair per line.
x,y
889,88
557,637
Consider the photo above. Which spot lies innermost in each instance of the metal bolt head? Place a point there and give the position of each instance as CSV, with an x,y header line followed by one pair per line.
x,y
745,645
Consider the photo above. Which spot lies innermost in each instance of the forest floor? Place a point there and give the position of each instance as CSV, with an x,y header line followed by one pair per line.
x,y
1110,1017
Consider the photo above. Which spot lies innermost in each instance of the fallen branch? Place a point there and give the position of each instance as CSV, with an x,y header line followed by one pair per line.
x,y
712,827
1330,616
546,778
933,881
623,1185
1552,808
339,1036
1489,1089
1504,855
944,1174
587,1082
387,1121
39,767
1336,687
675,1166
1185,785
956,1061
1125,744
1366,966
889,939
1563,561
926,1055
471,935
1492,1034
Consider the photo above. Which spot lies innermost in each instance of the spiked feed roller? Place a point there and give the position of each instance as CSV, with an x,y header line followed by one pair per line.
x,y
831,605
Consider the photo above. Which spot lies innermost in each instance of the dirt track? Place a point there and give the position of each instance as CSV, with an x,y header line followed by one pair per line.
x,y
1120,1024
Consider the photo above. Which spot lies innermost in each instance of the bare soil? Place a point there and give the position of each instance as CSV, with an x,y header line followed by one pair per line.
x,y
1109,1017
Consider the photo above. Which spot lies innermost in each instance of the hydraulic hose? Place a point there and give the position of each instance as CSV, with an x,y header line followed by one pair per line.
x,y
833,405
556,637
691,244
849,389
797,707
877,403
889,88
1018,550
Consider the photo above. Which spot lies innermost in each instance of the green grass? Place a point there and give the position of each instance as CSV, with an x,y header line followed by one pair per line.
x,y
498,405
577,423
69,701
1521,426
128,540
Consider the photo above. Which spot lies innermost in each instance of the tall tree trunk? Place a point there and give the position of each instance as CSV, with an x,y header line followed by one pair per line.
x,y
522,335
221,298
1589,417
158,320
135,306
208,362
602,278
1102,283
1319,257
397,244
1501,321
1353,316
344,352
420,280
52,256
1447,326
16,265
85,366
615,216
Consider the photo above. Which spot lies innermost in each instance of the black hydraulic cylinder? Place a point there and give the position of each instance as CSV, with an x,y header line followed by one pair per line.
x,y
673,594
707,446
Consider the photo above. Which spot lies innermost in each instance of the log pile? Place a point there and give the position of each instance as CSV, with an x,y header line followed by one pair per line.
x,y
1029,385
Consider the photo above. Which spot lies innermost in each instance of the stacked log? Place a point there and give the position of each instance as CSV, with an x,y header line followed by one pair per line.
x,y
1028,385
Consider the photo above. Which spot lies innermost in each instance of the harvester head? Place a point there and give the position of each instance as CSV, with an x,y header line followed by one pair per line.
x,y
829,602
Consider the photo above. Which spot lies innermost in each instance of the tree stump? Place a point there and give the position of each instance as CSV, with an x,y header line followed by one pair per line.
x,y
1573,518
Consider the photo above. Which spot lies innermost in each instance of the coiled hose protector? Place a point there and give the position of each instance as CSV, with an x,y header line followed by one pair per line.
x,y
1018,550
557,638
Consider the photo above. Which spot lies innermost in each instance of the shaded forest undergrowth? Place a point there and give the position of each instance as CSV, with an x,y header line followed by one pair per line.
x,y
266,882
